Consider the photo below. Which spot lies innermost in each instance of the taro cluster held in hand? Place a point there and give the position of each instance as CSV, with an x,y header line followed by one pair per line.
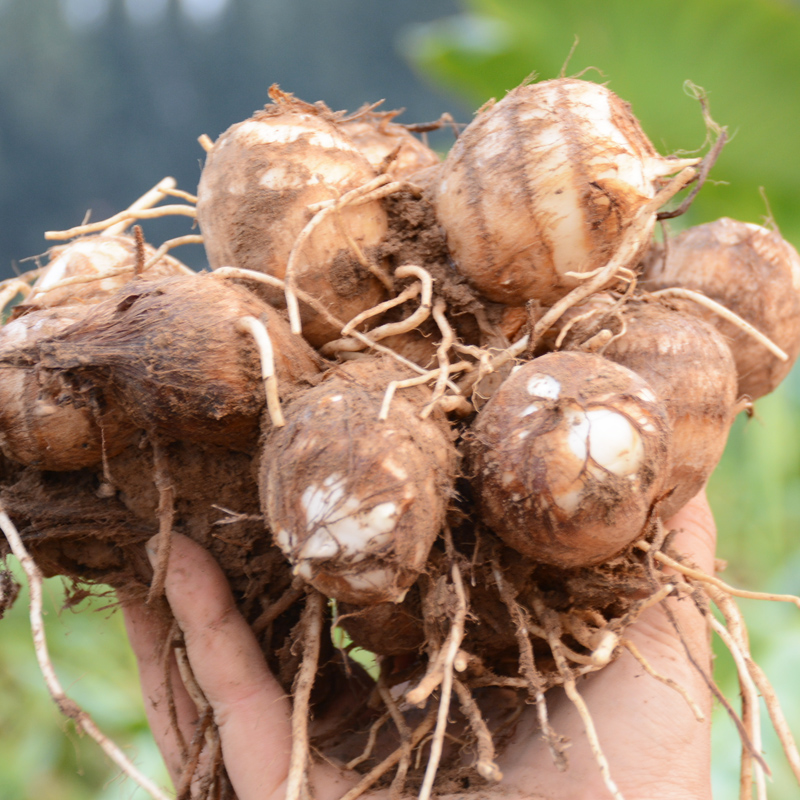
x,y
458,398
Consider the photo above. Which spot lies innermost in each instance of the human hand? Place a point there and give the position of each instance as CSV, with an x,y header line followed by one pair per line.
x,y
656,749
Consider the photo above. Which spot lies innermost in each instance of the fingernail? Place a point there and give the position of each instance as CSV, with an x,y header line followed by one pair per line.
x,y
151,548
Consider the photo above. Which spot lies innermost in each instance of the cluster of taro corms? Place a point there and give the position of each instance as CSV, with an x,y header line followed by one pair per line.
x,y
405,370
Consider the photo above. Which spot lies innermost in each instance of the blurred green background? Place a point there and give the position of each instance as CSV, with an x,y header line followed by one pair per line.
x,y
99,99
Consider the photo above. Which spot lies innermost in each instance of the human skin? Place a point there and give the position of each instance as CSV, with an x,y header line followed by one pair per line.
x,y
655,747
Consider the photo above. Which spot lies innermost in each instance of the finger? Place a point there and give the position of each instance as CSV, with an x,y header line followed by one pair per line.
x,y
250,707
147,632
696,535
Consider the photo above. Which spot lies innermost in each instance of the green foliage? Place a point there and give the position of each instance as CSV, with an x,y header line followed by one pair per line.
x,y
44,756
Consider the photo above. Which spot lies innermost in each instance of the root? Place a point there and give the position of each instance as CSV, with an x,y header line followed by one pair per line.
x,y
123,216
311,626
259,332
371,739
425,287
149,199
206,142
192,759
448,337
750,710
409,382
534,682
313,303
727,314
166,516
68,707
398,784
486,766
375,774
550,620
647,666
10,289
375,189
701,576
178,241
167,654
443,662
735,622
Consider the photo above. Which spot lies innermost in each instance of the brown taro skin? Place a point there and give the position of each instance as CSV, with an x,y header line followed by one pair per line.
x,y
690,367
751,271
171,354
568,458
378,138
45,421
253,201
544,183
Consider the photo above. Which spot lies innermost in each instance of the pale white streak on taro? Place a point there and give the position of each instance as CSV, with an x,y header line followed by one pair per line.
x,y
546,182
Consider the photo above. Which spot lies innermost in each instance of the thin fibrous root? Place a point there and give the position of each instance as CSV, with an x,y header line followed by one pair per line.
x,y
206,142
725,313
699,575
735,622
67,706
236,273
749,699
390,328
428,375
408,293
744,735
451,647
123,216
448,337
371,739
368,265
166,515
173,637
626,250
311,625
648,667
448,652
149,199
550,620
378,187
183,789
398,783
523,624
170,244
257,329
377,772
485,765
10,289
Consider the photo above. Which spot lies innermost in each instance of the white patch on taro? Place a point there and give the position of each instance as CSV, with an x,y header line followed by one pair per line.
x,y
614,443
281,133
395,469
340,525
531,409
375,580
569,501
544,386
577,432
646,395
